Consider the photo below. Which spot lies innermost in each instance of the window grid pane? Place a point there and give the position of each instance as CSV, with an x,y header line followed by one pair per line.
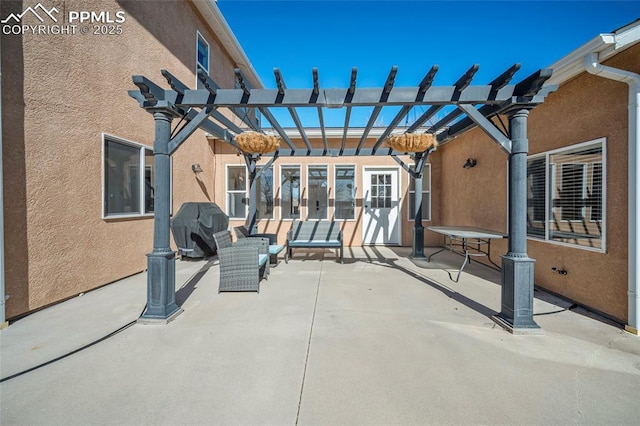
x,y
381,191
149,181
345,199
203,54
122,178
237,192
536,190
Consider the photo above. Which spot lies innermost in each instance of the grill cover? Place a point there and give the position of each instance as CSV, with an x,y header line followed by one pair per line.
x,y
193,228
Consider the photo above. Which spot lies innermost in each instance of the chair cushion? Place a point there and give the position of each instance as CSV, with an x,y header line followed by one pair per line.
x,y
275,248
315,243
262,259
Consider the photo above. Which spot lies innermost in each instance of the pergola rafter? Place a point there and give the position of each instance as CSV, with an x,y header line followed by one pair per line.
x,y
475,106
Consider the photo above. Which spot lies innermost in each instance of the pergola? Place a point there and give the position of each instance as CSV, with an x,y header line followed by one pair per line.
x,y
475,105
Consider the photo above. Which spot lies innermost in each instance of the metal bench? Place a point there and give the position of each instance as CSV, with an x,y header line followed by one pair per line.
x,y
314,234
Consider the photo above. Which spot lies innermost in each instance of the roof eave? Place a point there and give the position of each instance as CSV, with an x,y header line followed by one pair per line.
x,y
605,45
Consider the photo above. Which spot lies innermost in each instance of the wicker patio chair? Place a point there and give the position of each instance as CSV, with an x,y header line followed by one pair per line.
x,y
262,244
239,269
242,263
274,248
223,239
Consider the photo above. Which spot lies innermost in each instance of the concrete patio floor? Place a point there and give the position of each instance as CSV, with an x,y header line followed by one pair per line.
x,y
377,340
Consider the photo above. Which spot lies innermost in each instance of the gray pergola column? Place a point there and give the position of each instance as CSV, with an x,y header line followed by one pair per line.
x,y
161,304
516,314
417,251
251,161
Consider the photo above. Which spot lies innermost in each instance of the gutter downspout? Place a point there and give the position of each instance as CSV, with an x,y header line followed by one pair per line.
x,y
592,66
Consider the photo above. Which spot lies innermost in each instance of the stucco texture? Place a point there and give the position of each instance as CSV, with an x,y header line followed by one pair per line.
x,y
59,94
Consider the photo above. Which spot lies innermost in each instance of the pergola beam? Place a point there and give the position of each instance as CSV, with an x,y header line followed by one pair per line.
x,y
316,93
337,98
347,115
213,88
426,82
463,82
180,88
294,115
497,84
490,129
274,123
388,86
332,152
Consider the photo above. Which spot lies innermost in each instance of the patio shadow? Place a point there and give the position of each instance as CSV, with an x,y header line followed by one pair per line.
x,y
183,293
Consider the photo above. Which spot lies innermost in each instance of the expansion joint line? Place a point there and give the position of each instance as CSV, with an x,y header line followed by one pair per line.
x,y
306,360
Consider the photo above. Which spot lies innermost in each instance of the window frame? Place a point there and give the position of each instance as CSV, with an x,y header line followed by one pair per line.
x,y
199,37
227,191
355,191
410,193
301,189
551,180
141,168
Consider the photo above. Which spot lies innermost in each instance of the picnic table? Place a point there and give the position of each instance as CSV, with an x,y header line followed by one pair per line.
x,y
467,241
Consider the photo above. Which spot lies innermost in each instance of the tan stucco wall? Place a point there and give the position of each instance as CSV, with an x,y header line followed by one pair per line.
x,y
352,229
582,110
59,94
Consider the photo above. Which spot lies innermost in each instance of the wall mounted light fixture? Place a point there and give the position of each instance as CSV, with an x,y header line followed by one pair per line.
x,y
471,162
196,168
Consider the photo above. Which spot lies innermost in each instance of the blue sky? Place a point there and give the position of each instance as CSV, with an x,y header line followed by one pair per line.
x,y
334,36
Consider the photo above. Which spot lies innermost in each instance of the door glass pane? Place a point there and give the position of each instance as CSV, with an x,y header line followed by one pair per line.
x,y
381,191
264,189
318,192
290,192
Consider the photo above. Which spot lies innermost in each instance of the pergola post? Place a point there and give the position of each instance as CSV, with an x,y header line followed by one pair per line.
x,y
516,314
161,305
417,251
251,161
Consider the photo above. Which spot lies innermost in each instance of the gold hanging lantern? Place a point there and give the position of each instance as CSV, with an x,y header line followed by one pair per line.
x,y
412,142
257,143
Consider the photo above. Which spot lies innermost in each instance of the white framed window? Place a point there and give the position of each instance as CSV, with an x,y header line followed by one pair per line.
x,y
202,57
290,191
264,191
128,178
426,195
317,192
566,195
345,192
236,190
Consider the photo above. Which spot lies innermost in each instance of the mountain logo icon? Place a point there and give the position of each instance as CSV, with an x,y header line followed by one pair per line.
x,y
34,11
